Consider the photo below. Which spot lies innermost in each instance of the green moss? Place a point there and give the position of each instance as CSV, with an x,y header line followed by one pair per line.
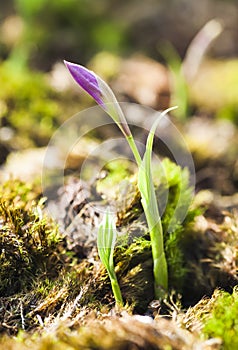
x,y
30,242
118,173
134,268
40,278
215,317
210,249
174,182
222,320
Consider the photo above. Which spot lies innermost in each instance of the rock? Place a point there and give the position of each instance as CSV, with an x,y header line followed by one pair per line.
x,y
25,165
144,81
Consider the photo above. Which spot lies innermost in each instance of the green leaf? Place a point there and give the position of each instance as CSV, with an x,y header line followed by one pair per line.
x,y
106,241
145,181
150,206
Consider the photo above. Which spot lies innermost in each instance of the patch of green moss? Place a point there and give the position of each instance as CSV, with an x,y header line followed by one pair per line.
x,y
117,174
215,317
178,215
29,242
222,320
41,280
134,268
210,250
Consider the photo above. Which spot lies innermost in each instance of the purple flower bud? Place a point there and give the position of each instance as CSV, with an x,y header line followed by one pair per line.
x,y
100,92
87,80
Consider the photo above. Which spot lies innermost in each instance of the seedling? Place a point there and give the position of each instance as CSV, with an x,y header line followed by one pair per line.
x,y
106,242
105,98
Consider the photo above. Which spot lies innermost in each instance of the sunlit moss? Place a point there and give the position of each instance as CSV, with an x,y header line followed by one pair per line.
x,y
215,317
29,241
178,214
222,320
117,173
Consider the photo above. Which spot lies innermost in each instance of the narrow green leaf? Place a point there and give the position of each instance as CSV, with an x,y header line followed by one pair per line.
x,y
106,240
150,206
145,181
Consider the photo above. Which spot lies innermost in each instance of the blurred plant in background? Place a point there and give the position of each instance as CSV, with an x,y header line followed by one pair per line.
x,y
52,29
184,72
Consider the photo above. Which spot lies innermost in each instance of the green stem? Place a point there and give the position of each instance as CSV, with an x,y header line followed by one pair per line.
x,y
116,289
134,149
160,268
153,218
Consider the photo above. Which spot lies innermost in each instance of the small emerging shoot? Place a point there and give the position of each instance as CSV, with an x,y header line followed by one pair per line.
x,y
106,242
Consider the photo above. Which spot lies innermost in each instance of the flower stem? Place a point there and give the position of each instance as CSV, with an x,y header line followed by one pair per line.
x,y
134,149
160,269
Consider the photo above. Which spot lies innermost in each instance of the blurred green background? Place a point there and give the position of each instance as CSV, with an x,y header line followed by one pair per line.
x,y
139,47
41,32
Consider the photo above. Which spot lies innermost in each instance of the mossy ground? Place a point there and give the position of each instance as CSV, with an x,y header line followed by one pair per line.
x,y
53,298
54,292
